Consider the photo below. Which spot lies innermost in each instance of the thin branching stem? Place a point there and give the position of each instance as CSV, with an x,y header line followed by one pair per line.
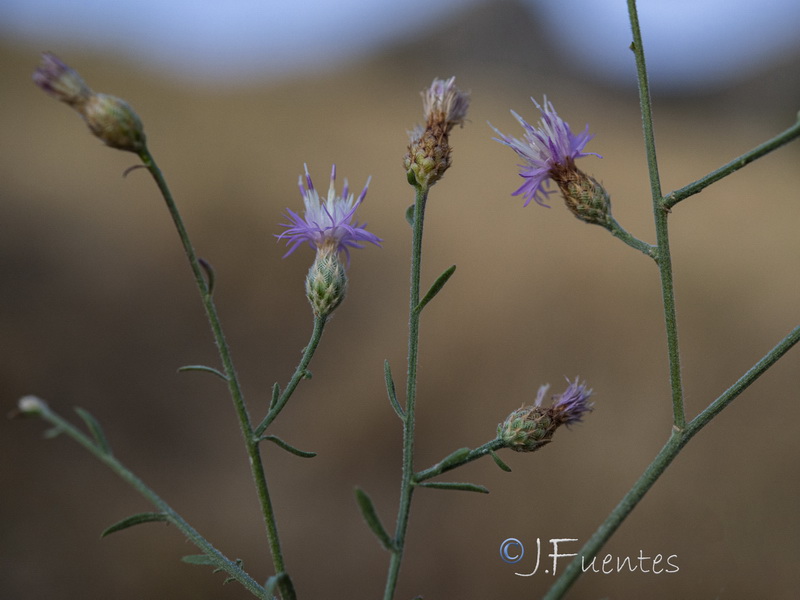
x,y
779,140
300,373
221,561
251,440
678,439
664,258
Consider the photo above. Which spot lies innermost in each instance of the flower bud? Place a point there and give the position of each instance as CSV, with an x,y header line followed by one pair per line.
x,y
110,119
30,405
326,283
114,121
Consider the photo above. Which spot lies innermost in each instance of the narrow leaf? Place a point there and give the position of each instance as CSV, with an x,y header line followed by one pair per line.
x,y
276,393
135,520
199,559
390,389
205,369
454,457
53,432
410,215
449,485
371,517
94,427
435,288
499,462
286,446
211,275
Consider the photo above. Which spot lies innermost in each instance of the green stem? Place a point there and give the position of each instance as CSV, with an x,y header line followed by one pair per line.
x,y
407,485
662,231
678,439
619,232
251,442
220,560
474,454
300,372
737,163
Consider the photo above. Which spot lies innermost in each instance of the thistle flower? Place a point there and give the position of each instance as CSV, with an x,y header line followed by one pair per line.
x,y
549,152
530,427
428,156
328,225
109,118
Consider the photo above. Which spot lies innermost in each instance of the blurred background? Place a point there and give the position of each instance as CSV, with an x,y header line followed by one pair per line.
x,y
98,308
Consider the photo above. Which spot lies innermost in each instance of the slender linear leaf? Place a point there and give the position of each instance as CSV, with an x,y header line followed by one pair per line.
x,y
204,369
390,389
454,457
499,462
371,517
135,520
451,485
435,288
211,275
94,427
410,215
199,559
286,446
53,432
276,393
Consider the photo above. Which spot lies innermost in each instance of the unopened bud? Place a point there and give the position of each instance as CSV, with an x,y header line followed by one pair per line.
x,y
30,405
326,283
109,118
114,121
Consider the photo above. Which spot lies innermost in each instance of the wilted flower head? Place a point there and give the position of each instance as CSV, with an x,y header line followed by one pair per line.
x,y
428,156
328,223
530,427
444,104
109,118
548,151
61,81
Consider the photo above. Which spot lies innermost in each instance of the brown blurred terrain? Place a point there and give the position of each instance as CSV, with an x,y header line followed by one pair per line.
x,y
98,310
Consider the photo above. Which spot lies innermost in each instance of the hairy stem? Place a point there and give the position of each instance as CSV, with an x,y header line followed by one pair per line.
x,y
678,439
251,443
737,163
407,485
300,372
662,231
220,560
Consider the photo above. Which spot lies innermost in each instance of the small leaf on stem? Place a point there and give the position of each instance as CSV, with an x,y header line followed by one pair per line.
x,y
499,462
390,389
97,431
286,446
137,519
435,288
205,369
451,485
371,517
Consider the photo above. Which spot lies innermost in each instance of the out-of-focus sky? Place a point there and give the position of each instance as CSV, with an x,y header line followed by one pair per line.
x,y
689,42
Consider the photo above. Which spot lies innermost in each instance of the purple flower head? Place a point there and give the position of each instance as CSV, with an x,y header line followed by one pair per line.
x,y
544,149
328,223
570,406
